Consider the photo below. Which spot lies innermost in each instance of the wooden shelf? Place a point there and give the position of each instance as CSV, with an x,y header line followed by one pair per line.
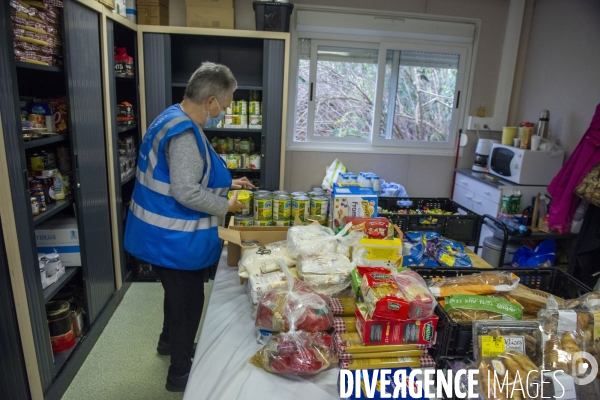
x,y
52,209
51,290
233,130
61,359
125,128
43,142
37,67
129,178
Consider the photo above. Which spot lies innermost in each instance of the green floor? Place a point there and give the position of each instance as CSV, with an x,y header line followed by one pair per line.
x,y
124,364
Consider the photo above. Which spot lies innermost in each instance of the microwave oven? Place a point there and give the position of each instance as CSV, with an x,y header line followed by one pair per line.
x,y
525,167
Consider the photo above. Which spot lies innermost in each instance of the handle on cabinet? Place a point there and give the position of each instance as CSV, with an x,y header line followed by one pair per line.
x,y
477,201
468,197
465,182
487,192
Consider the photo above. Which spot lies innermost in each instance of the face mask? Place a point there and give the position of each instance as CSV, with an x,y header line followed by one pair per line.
x,y
214,121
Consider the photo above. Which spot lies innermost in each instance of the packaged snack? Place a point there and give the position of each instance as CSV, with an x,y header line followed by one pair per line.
x,y
466,308
373,228
415,290
327,273
296,353
380,331
448,253
533,300
589,301
476,284
295,307
264,259
374,253
382,297
497,337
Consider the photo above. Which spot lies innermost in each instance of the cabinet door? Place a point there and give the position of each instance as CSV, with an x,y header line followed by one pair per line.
x,y
86,119
157,73
466,182
463,197
488,192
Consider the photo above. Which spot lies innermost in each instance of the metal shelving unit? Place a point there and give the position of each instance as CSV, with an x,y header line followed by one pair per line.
x,y
51,290
52,209
44,142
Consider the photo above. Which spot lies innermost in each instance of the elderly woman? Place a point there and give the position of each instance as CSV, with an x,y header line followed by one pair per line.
x,y
177,203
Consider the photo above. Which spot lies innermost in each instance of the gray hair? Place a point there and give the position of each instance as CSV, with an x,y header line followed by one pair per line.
x,y
210,80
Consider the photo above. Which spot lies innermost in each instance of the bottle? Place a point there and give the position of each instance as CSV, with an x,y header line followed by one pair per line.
x,y
376,185
369,181
481,111
514,228
578,217
542,129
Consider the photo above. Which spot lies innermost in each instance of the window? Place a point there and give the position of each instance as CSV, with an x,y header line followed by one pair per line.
x,y
378,92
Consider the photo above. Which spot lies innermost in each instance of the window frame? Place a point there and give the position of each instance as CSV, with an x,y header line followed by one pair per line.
x,y
458,109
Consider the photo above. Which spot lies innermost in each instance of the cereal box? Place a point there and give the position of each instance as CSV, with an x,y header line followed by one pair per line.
x,y
351,202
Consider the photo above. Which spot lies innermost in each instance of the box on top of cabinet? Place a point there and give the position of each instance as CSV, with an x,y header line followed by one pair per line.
x,y
152,3
208,17
210,3
153,15
60,235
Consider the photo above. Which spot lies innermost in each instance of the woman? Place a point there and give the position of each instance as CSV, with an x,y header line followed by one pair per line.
x,y
178,200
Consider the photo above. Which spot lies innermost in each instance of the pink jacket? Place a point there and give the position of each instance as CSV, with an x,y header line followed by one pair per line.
x,y
584,158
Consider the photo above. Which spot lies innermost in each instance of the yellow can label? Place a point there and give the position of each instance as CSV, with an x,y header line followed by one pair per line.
x,y
300,209
282,209
319,207
263,209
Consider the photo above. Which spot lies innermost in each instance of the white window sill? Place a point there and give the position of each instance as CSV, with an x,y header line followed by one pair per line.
x,y
368,149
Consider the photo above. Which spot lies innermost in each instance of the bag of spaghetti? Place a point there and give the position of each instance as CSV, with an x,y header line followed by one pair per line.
x,y
476,284
467,308
415,290
264,259
294,304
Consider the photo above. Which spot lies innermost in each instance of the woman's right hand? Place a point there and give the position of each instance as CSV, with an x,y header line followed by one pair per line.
x,y
233,205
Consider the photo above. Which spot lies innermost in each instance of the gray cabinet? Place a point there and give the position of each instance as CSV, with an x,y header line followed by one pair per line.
x,y
258,66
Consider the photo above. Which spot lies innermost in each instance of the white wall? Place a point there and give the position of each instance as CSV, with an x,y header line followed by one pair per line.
x,y
562,68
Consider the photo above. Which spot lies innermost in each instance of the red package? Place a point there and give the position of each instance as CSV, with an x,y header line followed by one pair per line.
x,y
296,353
374,228
301,308
383,298
415,290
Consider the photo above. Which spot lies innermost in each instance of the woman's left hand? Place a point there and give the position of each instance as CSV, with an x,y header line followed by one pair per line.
x,y
242,183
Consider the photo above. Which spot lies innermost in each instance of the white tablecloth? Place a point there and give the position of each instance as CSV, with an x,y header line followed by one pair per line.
x,y
227,341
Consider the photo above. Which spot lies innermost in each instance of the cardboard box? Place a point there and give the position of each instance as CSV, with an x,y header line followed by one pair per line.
x,y
235,235
207,17
60,235
120,8
351,201
210,3
376,332
108,3
153,12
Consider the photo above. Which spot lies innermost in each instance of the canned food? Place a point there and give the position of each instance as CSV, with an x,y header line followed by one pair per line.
x,y
39,162
35,206
285,222
281,192
250,243
228,120
258,222
242,107
245,146
263,208
254,108
312,194
230,144
254,161
254,120
318,189
319,206
282,207
236,144
242,220
245,198
262,193
252,144
299,194
222,145
300,208
236,120
232,161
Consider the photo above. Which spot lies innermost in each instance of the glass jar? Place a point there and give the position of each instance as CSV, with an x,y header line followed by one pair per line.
x,y
35,206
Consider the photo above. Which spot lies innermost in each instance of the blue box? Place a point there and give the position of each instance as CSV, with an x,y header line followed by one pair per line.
x,y
351,201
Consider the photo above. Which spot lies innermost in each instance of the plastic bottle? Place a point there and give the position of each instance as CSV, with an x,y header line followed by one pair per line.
x,y
376,185
578,217
354,179
369,181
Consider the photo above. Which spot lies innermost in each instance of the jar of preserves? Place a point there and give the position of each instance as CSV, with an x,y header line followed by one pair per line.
x,y
35,206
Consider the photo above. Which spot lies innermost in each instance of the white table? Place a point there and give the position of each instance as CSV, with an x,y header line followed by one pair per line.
x,y
227,341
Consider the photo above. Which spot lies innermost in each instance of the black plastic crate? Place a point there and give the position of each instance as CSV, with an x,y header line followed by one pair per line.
x,y
455,339
463,228
272,16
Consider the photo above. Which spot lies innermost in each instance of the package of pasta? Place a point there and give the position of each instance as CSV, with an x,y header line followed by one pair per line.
x,y
382,297
297,353
293,307
264,259
496,337
415,290
359,271
468,308
477,284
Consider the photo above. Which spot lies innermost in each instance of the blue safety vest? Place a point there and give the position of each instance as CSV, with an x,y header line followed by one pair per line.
x,y
160,230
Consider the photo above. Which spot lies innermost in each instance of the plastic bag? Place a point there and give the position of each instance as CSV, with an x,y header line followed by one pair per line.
x,y
589,301
466,308
415,290
483,283
312,239
359,271
378,253
448,253
493,336
297,353
332,173
295,307
543,255
327,274
264,259
382,297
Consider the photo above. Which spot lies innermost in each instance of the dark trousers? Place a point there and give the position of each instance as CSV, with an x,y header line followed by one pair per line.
x,y
184,300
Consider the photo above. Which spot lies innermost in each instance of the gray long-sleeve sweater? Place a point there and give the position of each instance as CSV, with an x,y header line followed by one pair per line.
x,y
185,169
